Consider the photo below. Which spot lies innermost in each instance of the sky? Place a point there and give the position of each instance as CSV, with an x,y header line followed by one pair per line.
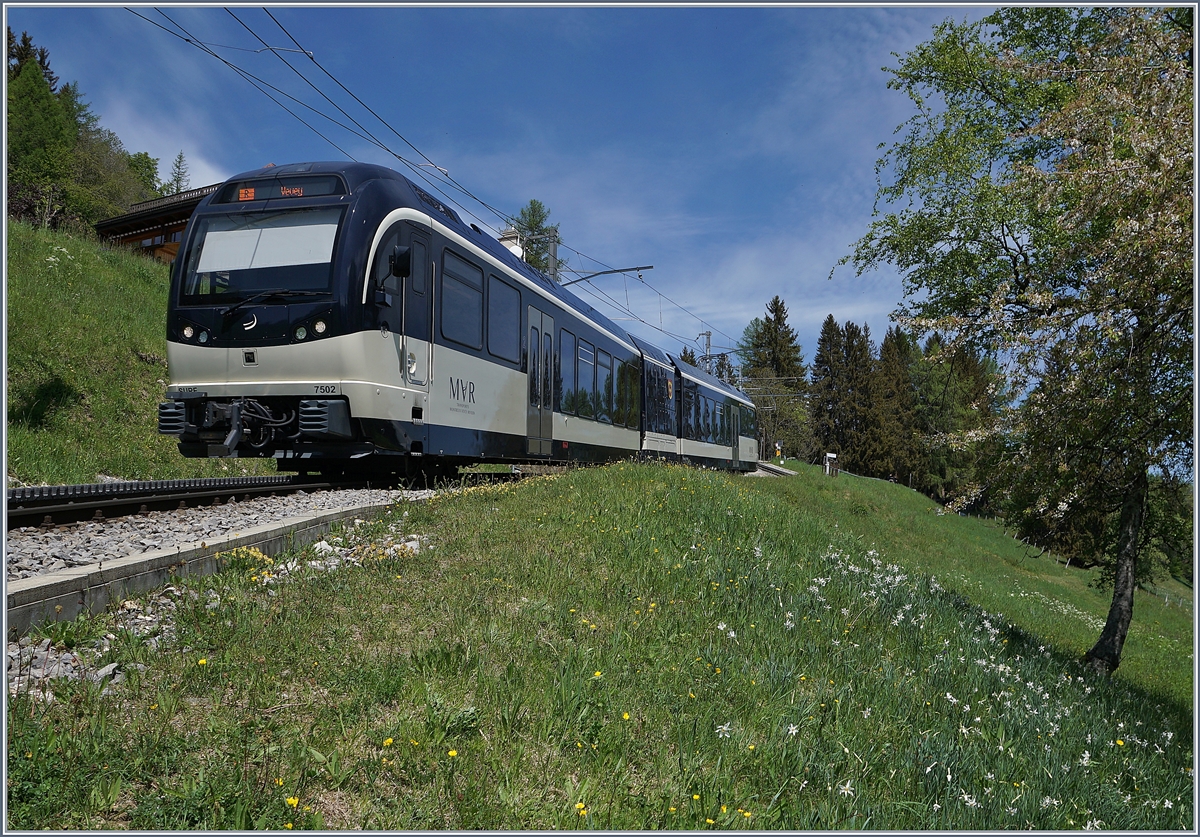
x,y
732,148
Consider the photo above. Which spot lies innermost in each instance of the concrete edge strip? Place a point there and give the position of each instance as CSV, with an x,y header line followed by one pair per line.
x,y
772,468
64,594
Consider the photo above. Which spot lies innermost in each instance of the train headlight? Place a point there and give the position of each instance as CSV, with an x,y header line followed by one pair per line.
x,y
319,326
301,333
188,332
203,337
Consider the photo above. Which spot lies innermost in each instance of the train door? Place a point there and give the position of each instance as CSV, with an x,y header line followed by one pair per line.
x,y
735,424
540,366
418,297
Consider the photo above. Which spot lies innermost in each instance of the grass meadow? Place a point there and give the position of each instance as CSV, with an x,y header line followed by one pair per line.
x,y
628,647
87,365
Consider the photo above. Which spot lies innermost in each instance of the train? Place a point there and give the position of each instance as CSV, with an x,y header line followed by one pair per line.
x,y
342,320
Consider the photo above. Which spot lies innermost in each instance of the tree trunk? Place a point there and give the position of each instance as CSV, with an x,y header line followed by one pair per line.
x,y
1105,655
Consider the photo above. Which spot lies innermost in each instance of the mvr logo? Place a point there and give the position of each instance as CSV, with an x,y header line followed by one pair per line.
x,y
462,391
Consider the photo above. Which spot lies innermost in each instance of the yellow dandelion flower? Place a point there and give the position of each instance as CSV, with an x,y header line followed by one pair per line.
x,y
724,809
278,782
1120,743
579,806
598,674
452,753
387,742
751,747
696,796
287,825
202,662
293,801
583,812
709,820
625,716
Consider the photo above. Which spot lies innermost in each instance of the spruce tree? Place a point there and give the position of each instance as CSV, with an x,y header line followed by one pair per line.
x,y
859,435
827,387
687,355
40,134
536,233
774,375
180,180
898,445
23,52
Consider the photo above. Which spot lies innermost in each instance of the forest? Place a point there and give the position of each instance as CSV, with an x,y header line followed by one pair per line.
x,y
65,170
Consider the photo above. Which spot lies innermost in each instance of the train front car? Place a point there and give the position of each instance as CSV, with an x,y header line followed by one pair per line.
x,y
275,333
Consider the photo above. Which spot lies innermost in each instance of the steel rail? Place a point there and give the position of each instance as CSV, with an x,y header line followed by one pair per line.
x,y
56,505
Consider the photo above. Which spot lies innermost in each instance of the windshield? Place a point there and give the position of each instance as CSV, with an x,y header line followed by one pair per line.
x,y
235,256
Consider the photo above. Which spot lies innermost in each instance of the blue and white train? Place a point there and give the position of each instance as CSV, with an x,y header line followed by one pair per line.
x,y
340,319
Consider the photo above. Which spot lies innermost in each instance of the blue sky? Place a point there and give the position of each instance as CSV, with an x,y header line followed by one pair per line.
x,y
731,148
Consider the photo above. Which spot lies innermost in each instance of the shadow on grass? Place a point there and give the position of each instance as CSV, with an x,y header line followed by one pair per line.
x,y
36,408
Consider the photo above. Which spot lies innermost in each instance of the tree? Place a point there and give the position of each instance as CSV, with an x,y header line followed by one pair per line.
x,y
687,355
825,392
23,52
773,375
145,169
40,139
898,446
724,369
1047,188
536,234
180,180
772,349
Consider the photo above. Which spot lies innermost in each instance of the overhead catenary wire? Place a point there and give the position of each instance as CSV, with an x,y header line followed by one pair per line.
x,y
416,168
503,216
253,80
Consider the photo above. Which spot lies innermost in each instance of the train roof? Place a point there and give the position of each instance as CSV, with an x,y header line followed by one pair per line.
x,y
651,351
716,383
356,174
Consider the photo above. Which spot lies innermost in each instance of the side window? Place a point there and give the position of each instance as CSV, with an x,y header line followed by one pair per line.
x,y
566,388
622,394
604,387
633,417
462,301
504,320
534,353
587,379
420,267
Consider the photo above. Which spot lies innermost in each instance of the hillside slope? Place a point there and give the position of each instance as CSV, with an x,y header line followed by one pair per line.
x,y
87,365
976,559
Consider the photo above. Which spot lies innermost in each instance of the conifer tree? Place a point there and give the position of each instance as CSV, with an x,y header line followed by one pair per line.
x,y
532,224
825,391
23,52
687,355
774,350
39,148
859,434
774,375
180,180
898,449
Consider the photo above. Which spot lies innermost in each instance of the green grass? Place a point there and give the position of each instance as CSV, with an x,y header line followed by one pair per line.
x,y
634,646
976,559
86,331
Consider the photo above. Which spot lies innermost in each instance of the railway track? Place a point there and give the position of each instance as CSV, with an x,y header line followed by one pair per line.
x,y
56,505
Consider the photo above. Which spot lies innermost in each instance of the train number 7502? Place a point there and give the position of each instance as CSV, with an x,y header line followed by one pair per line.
x,y
325,389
